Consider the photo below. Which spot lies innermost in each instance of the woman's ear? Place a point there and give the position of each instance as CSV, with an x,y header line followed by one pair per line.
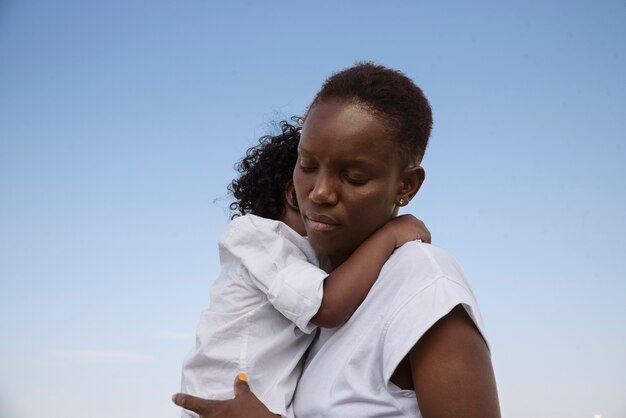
x,y
411,180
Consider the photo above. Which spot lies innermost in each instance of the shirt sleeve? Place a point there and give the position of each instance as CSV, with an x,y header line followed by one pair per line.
x,y
280,263
420,312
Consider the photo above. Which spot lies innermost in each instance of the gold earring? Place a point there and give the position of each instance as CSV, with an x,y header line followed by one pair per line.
x,y
401,203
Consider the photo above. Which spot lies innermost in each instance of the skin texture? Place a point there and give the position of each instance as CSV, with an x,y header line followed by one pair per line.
x,y
346,287
349,182
291,214
348,178
339,173
244,404
451,370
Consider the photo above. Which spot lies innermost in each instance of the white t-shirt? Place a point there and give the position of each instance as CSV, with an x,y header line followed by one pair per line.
x,y
258,318
348,369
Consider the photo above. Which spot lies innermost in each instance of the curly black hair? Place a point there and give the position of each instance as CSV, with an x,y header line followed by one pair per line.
x,y
265,171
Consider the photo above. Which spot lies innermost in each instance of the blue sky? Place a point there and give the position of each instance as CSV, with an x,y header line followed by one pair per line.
x,y
120,123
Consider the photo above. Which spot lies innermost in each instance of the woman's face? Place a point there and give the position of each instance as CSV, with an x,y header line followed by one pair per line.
x,y
348,177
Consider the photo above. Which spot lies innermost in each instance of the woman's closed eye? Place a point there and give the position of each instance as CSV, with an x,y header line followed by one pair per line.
x,y
356,179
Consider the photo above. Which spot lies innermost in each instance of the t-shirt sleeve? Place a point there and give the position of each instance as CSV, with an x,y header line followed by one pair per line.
x,y
420,312
275,259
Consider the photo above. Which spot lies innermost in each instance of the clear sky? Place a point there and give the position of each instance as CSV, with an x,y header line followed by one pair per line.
x,y
121,120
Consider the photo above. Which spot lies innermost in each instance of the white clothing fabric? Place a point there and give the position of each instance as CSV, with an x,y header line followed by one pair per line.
x,y
257,322
348,369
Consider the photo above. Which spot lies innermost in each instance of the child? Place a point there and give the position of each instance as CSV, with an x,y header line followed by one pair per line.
x,y
270,294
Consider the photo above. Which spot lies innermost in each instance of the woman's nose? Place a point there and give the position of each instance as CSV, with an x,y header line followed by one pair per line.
x,y
324,191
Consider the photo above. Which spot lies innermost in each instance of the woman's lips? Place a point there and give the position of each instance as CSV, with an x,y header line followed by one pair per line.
x,y
320,223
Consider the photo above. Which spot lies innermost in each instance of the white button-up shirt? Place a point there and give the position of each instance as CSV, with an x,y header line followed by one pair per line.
x,y
258,318
348,371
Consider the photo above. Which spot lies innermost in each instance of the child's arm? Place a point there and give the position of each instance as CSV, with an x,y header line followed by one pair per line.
x,y
347,286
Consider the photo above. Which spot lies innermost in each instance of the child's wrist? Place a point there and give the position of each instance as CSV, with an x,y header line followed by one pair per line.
x,y
389,236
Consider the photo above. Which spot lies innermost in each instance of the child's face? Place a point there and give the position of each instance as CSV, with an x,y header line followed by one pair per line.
x,y
347,178
292,216
297,224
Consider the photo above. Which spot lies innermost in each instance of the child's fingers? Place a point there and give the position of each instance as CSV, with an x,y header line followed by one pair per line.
x,y
425,236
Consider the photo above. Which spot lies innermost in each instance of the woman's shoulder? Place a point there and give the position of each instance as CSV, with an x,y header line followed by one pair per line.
x,y
425,260
418,270
423,284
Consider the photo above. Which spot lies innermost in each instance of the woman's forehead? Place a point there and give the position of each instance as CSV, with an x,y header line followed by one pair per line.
x,y
345,156
335,111
345,127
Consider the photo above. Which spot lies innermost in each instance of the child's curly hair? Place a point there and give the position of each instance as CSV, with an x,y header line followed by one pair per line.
x,y
265,171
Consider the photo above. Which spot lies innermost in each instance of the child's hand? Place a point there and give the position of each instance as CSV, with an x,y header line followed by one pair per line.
x,y
407,228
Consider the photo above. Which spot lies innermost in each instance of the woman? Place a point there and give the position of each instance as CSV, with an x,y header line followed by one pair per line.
x,y
415,347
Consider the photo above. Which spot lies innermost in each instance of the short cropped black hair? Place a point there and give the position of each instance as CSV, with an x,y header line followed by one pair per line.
x,y
265,171
390,95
